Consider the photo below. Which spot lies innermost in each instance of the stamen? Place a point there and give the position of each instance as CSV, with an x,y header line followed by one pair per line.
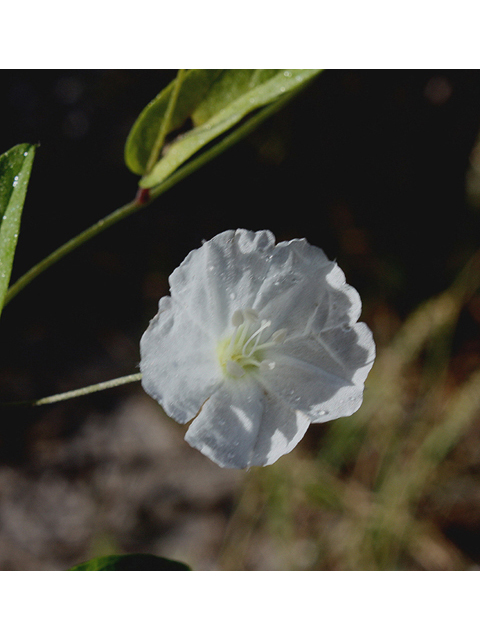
x,y
242,350
232,340
256,334
237,318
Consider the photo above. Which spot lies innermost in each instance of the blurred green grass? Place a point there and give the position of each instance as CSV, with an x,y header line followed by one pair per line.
x,y
364,500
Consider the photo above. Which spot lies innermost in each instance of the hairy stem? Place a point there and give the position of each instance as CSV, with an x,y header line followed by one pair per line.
x,y
84,391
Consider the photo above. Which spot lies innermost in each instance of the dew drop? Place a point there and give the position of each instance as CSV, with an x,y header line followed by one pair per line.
x,y
287,74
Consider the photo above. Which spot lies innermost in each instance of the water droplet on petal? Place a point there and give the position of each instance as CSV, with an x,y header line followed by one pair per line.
x,y
267,365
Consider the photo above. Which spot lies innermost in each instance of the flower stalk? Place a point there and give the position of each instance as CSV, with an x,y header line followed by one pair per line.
x,y
83,391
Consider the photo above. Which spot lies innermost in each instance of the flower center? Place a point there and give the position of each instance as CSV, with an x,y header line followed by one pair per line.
x,y
243,349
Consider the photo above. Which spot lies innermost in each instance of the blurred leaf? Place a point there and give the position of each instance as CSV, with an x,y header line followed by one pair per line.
x,y
131,562
15,169
231,96
144,132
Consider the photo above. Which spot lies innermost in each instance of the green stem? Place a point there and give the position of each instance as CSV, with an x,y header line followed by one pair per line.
x,y
72,244
139,203
164,129
93,388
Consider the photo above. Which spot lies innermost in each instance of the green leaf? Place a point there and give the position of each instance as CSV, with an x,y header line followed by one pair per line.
x,y
143,134
229,86
15,168
233,95
131,562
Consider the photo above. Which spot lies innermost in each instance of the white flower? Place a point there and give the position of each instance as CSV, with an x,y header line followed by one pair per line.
x,y
255,342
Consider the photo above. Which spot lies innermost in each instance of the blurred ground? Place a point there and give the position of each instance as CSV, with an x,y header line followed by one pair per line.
x,y
369,165
124,481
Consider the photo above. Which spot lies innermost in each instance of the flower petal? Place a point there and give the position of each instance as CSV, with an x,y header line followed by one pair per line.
x,y
178,363
281,430
322,375
241,426
302,284
223,275
286,322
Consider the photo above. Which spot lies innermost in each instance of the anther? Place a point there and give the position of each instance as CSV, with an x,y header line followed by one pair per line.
x,y
237,318
242,351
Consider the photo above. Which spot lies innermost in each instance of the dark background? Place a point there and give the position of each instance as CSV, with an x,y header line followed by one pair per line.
x,y
368,165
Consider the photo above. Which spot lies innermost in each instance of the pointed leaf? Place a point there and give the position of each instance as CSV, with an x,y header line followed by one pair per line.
x,y
235,94
131,562
15,168
144,132
229,86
